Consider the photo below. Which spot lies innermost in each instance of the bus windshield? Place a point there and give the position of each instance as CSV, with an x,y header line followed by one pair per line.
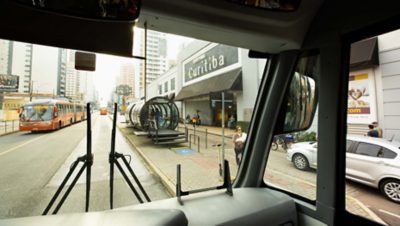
x,y
37,113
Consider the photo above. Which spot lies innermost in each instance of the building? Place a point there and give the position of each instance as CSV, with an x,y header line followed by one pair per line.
x,y
127,75
22,65
157,62
72,79
205,70
48,70
6,49
374,85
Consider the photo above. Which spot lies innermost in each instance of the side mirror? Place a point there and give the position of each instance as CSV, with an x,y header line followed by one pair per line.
x,y
55,113
299,105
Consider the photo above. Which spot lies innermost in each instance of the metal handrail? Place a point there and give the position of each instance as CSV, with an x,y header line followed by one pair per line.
x,y
5,126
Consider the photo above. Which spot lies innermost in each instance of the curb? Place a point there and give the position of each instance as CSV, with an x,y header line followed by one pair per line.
x,y
366,209
170,187
8,133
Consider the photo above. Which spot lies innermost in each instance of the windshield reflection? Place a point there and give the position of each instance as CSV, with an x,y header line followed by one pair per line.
x,y
37,113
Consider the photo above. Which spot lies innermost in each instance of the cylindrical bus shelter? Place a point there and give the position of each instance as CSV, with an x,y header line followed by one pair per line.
x,y
159,109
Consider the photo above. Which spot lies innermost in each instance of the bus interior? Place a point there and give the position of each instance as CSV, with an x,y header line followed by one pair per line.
x,y
303,37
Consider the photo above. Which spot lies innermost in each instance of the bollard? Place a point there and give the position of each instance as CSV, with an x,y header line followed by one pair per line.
x,y
5,126
12,125
206,138
194,141
198,144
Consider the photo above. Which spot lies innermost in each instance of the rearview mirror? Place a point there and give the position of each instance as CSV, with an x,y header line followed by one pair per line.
x,y
126,10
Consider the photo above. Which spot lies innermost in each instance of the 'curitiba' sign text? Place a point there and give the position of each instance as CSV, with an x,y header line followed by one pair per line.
x,y
214,59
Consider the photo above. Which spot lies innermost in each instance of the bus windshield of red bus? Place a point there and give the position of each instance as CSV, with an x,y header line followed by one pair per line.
x,y
37,113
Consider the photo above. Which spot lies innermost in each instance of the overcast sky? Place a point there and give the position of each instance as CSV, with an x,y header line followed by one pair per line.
x,y
108,67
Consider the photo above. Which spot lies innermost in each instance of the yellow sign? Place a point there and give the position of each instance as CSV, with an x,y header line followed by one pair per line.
x,y
40,107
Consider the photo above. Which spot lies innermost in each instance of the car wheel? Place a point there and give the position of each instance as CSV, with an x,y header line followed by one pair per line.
x,y
390,188
300,162
274,146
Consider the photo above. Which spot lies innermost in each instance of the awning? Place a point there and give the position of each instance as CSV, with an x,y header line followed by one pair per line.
x,y
364,54
231,80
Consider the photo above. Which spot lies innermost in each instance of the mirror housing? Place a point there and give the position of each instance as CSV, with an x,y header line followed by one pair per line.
x,y
85,61
55,112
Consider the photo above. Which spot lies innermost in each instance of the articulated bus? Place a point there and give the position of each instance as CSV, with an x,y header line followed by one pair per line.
x,y
300,40
44,115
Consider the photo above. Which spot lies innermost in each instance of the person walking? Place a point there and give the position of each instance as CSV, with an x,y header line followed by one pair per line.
x,y
238,139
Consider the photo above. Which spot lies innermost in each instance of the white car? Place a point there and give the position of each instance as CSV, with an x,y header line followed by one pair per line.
x,y
371,161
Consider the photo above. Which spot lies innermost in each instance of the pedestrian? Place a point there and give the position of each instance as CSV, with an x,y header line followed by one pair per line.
x,y
231,122
238,139
198,120
372,132
377,128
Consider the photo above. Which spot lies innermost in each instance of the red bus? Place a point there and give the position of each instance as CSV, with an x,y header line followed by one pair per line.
x,y
42,115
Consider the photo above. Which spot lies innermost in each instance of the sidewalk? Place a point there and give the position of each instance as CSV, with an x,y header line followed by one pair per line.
x,y
200,168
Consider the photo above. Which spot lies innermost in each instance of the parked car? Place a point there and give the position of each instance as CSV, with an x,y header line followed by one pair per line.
x,y
371,161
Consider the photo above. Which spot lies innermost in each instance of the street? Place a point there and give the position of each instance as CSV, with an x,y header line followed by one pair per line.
x,y
32,166
283,174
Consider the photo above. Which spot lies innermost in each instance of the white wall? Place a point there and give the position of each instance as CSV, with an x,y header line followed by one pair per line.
x,y
18,65
388,83
252,70
45,69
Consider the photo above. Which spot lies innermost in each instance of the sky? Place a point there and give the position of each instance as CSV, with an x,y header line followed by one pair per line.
x,y
108,66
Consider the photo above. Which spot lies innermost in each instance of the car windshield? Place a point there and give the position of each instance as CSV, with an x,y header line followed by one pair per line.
x,y
184,110
36,113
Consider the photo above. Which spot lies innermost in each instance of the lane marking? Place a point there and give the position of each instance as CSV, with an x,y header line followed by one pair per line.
x,y
21,145
389,213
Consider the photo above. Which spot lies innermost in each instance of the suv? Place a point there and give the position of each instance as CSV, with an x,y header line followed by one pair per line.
x,y
371,161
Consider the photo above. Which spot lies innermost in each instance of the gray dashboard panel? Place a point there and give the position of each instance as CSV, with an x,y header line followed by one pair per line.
x,y
247,206
105,218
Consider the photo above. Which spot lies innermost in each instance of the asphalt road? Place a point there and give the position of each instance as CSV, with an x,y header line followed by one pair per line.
x,y
32,165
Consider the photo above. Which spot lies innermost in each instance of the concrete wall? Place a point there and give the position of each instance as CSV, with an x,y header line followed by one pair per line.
x,y
252,70
388,82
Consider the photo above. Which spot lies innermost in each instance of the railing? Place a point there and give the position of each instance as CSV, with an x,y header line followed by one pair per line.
x,y
9,126
202,134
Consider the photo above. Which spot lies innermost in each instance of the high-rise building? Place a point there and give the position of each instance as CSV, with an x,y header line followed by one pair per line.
x,y
41,69
48,70
22,65
6,48
156,57
62,72
127,75
72,79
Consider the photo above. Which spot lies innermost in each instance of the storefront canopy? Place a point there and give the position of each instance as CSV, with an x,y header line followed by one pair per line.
x,y
231,80
364,54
